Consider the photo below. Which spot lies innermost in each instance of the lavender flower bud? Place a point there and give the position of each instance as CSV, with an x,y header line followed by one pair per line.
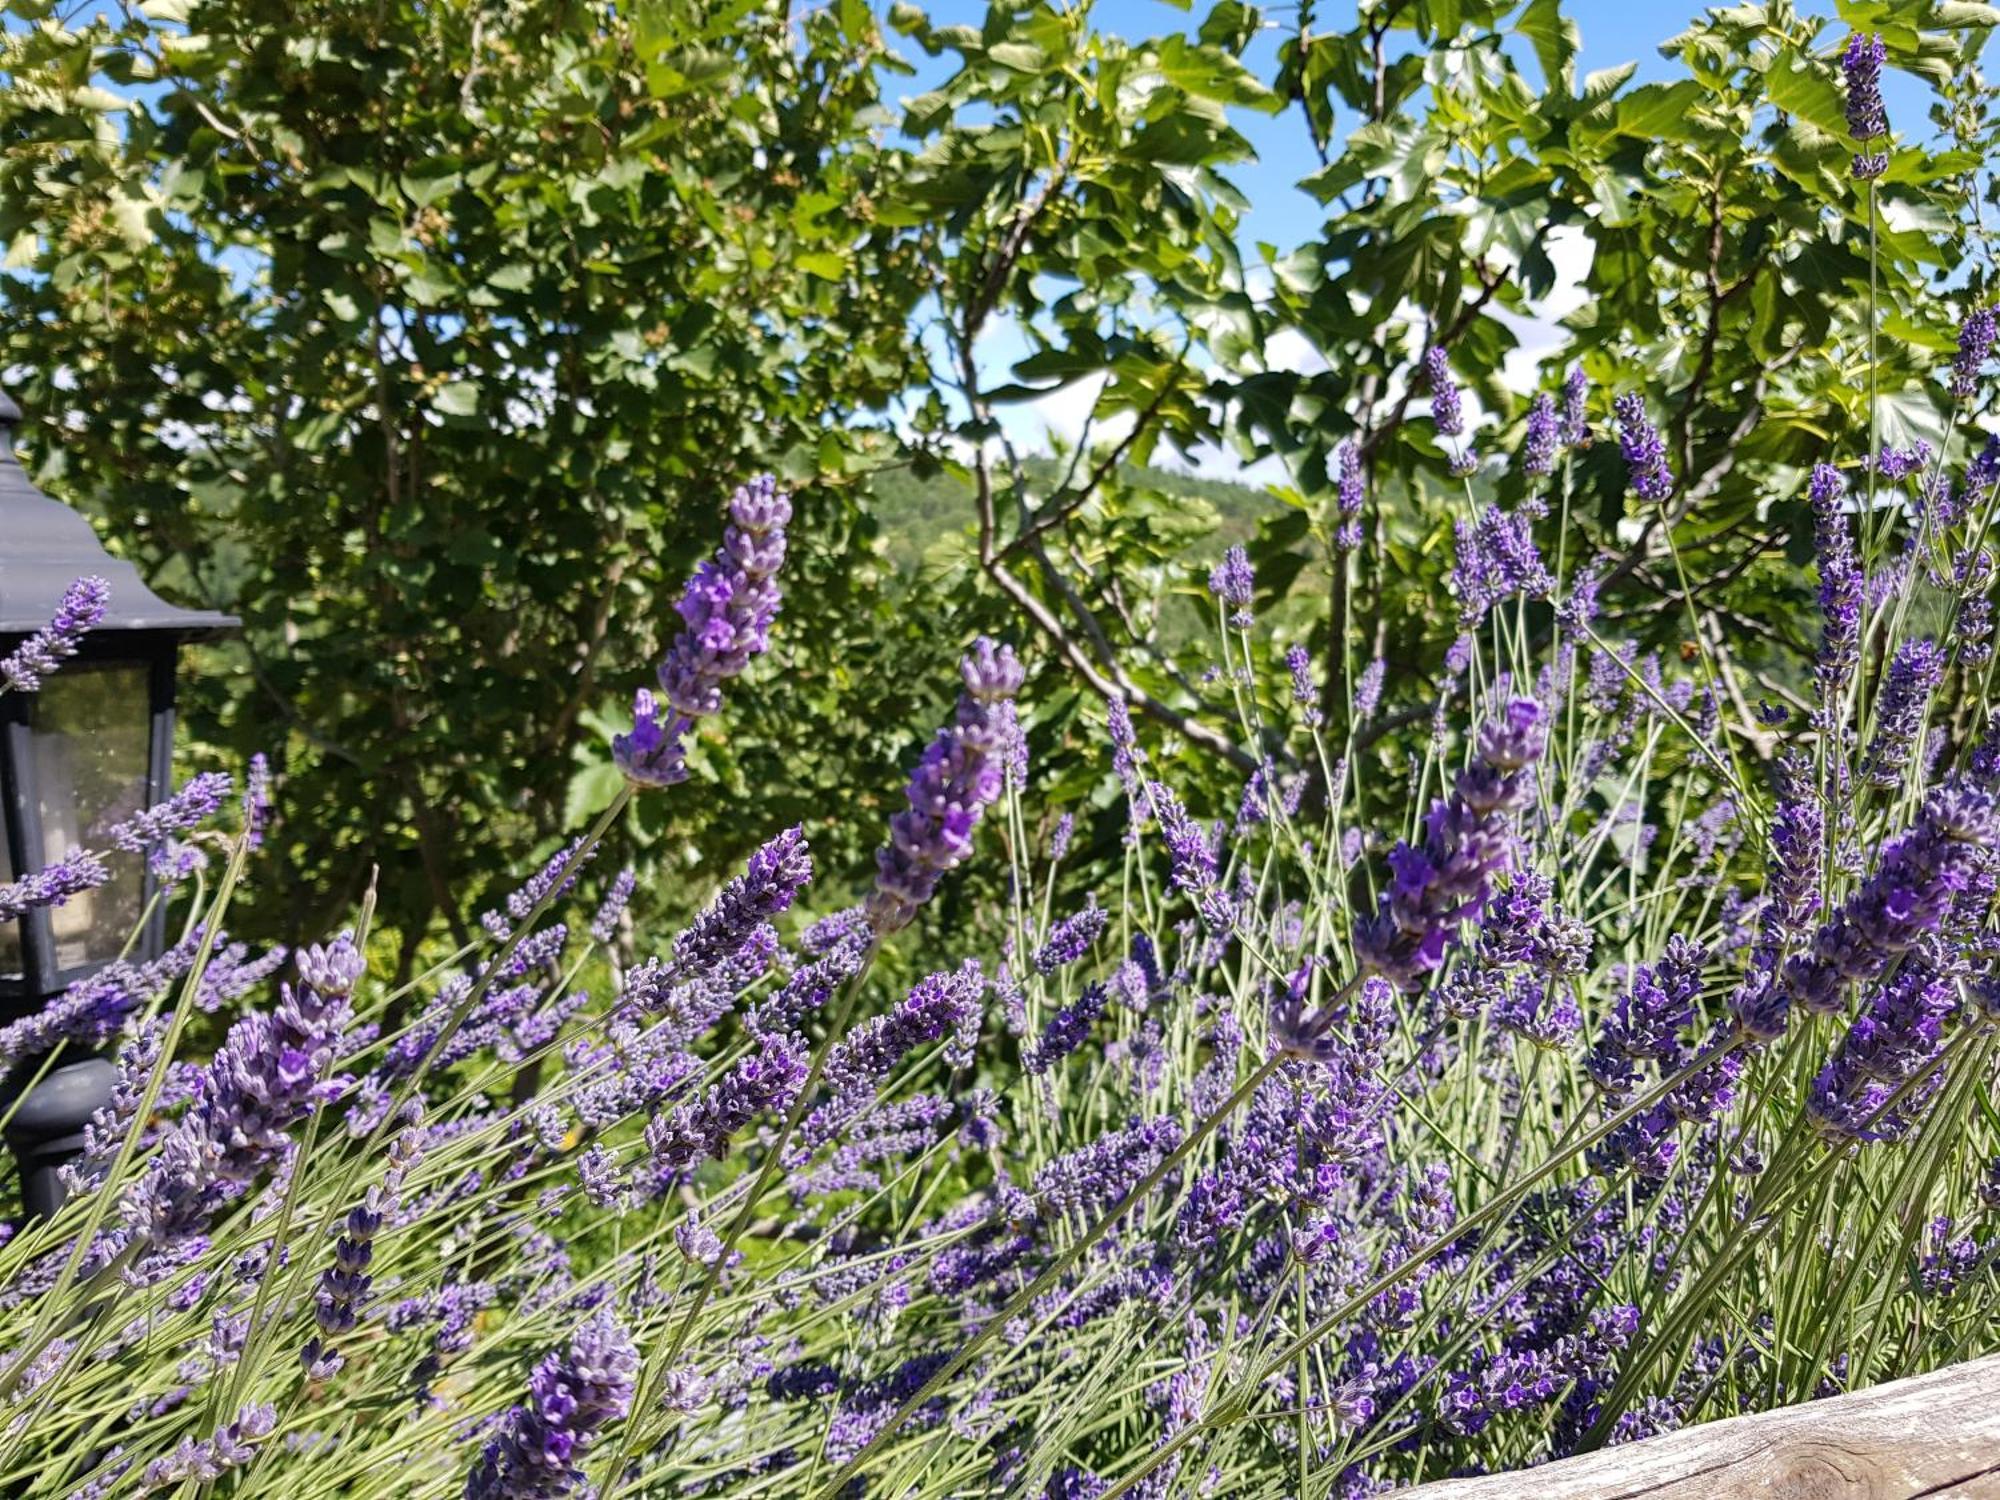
x,y
1913,675
1351,495
81,607
1071,938
957,778
1447,409
1975,344
1644,449
1538,450
572,1398
1866,118
1234,583
1575,429
726,611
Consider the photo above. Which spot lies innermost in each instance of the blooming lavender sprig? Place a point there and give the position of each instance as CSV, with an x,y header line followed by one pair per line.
x,y
209,1459
1234,582
1888,1048
1575,430
1867,120
1649,1018
1071,938
1065,1031
271,1070
768,1079
1538,449
1305,695
1918,877
1192,856
726,611
1447,406
1644,449
1975,346
572,1398
611,910
768,886
1351,494
943,1005
78,871
1467,841
1914,674
193,804
78,613
1840,591
955,781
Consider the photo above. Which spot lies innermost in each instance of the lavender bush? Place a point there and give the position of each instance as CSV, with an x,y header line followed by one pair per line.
x,y
1617,1058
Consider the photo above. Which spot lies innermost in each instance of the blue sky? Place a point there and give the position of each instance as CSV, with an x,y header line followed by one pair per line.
x,y
1612,31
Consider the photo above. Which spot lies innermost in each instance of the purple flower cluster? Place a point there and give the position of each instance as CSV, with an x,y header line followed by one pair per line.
x,y
1468,839
1447,407
1913,675
1539,447
1350,495
1975,347
1192,856
1645,450
572,1398
274,1067
1882,1070
1918,877
726,613
1866,119
1840,591
1496,559
1234,583
945,1005
958,777
768,886
81,607
1071,938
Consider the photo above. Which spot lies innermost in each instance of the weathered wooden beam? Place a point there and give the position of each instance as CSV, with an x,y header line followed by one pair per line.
x,y
1935,1435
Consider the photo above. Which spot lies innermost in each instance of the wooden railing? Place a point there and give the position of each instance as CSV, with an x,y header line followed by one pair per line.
x,y
1935,1435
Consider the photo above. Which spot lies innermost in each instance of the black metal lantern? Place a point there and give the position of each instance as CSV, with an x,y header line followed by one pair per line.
x,y
93,746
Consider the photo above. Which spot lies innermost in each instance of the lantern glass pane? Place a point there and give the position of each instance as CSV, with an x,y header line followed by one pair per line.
x,y
90,732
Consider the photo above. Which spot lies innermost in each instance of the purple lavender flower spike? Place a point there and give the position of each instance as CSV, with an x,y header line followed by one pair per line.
x,y
943,1005
572,1398
1919,876
1913,675
1840,589
1538,449
1892,1044
194,803
273,1068
1447,407
1234,583
77,871
1368,690
82,606
1644,449
956,780
767,887
258,810
1866,118
610,911
1575,430
1071,938
726,611
1468,840
1192,856
1975,345
1305,695
1351,495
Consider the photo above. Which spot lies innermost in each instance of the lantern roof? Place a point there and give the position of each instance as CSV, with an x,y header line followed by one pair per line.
x,y
45,546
